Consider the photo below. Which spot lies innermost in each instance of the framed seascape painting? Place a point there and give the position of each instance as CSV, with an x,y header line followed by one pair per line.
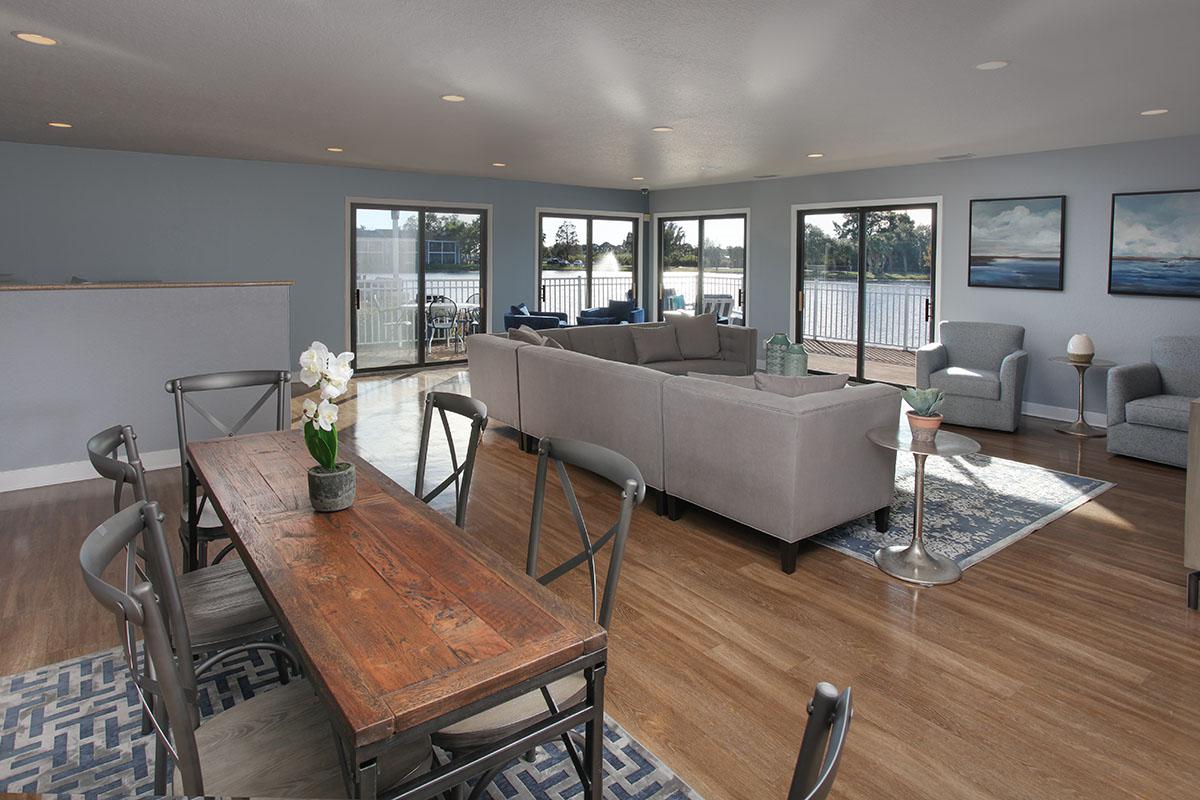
x,y
1017,242
1155,245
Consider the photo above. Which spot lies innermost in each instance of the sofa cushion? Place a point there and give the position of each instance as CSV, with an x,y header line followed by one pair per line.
x,y
967,382
744,381
554,343
1160,411
697,336
710,366
799,385
1178,362
527,335
655,344
610,342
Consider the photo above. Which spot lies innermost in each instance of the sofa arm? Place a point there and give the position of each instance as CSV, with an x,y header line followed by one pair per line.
x,y
930,358
739,344
1129,382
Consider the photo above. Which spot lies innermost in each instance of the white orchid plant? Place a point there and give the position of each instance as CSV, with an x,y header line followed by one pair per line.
x,y
332,373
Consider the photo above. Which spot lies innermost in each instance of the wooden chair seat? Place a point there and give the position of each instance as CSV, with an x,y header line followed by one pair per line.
x,y
279,744
518,713
223,607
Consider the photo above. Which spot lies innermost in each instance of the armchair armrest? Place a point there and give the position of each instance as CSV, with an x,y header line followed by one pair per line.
x,y
930,358
598,311
594,320
535,321
637,315
1012,375
1129,382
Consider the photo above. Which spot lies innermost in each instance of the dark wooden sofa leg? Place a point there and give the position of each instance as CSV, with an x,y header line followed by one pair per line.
x,y
674,507
660,503
883,519
1194,590
787,556
529,444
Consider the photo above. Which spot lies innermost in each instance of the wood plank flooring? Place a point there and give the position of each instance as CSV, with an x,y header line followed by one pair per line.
x,y
1066,666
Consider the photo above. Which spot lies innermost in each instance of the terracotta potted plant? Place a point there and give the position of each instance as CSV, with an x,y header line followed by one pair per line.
x,y
924,420
331,483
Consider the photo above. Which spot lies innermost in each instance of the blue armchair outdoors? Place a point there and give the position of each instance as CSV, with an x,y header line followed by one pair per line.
x,y
617,311
521,315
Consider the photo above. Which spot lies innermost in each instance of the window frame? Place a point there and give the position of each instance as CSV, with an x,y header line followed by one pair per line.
x,y
660,219
633,217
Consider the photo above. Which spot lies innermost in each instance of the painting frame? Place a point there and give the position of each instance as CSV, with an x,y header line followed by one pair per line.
x,y
1112,228
973,282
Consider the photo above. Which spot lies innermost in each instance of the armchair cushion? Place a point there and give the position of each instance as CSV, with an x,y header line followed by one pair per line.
x,y
1178,362
1168,411
520,310
697,336
1130,382
621,309
967,382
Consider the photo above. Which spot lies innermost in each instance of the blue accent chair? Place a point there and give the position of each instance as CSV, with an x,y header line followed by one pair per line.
x,y
543,320
616,312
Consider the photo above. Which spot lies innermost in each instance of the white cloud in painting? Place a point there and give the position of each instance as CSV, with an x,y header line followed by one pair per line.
x,y
1016,228
1157,226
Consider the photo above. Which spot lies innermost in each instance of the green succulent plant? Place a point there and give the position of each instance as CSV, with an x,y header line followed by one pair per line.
x,y
925,402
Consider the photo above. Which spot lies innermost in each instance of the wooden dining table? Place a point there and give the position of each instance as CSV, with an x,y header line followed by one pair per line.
x,y
404,623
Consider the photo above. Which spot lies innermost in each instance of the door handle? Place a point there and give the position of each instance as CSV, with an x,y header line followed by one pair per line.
x,y
741,297
542,294
357,299
928,309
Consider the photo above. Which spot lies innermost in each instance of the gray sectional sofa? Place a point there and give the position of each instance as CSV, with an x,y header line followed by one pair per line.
x,y
789,467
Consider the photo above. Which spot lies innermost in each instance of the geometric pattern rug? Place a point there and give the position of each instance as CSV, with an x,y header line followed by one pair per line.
x,y
975,506
74,728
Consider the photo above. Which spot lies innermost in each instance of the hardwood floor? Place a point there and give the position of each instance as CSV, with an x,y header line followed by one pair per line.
x,y
1064,666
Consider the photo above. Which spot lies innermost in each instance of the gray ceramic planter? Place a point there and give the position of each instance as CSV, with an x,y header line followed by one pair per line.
x,y
331,490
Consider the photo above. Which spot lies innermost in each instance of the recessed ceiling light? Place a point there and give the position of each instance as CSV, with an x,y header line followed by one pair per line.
x,y
637,178
816,155
335,149
453,98
988,66
1154,112
499,164
60,125
662,129
35,38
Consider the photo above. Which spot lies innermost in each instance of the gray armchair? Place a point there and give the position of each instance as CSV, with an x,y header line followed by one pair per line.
x,y
1148,402
981,368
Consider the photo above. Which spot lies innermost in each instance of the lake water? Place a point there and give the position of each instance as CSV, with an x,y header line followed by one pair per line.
x,y
1018,273
1180,277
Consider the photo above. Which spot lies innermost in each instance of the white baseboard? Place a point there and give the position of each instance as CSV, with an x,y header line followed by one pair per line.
x,y
1064,414
51,474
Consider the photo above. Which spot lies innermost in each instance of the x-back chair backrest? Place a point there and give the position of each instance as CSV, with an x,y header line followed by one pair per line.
x,y
611,466
276,383
829,717
102,452
156,611
464,406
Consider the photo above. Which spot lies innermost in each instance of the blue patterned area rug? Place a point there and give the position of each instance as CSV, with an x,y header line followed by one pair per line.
x,y
74,728
975,506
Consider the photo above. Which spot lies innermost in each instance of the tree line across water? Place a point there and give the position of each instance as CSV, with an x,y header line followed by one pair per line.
x,y
897,247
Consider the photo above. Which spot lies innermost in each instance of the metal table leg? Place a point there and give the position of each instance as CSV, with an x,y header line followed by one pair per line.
x,y
593,743
1079,427
192,556
912,562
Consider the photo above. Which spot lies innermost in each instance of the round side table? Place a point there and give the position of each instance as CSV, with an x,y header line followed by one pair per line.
x,y
1079,427
912,562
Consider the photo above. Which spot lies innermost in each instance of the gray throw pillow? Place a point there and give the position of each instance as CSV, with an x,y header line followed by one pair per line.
x,y
655,344
552,343
526,334
698,337
744,381
797,385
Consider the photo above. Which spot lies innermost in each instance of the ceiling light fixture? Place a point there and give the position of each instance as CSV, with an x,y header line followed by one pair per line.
x,y
60,125
662,129
988,66
335,149
637,178
499,164
453,98
1154,112
35,38
816,155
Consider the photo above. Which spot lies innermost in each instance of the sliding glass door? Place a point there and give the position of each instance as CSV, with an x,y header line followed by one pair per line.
x,y
419,278
866,278
702,266
586,260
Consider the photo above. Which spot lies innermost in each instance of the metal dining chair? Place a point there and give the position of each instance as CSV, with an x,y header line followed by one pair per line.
x,y
473,317
507,718
460,477
221,603
442,322
275,383
829,716
277,744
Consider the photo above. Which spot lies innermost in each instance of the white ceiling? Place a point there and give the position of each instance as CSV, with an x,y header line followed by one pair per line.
x,y
568,91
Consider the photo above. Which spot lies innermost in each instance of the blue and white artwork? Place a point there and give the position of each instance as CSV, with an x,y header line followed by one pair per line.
x,y
1017,243
1156,244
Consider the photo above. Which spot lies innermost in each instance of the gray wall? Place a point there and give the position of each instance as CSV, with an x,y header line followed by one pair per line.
x,y
1121,326
115,215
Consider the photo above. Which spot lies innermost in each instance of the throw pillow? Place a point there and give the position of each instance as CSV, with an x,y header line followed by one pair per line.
x,y
698,337
526,334
552,343
744,381
797,385
656,343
